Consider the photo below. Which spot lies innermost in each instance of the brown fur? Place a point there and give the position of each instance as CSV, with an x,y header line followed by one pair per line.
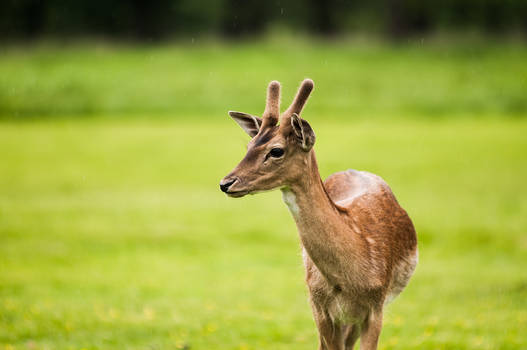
x,y
359,245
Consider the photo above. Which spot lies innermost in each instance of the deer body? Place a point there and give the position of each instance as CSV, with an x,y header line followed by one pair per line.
x,y
348,227
359,246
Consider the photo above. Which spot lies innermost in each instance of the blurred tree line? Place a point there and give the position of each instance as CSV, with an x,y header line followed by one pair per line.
x,y
155,20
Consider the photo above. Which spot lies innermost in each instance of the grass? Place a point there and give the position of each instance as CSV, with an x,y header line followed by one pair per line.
x,y
203,80
114,234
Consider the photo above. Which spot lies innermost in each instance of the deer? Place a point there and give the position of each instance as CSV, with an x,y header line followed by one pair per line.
x,y
359,246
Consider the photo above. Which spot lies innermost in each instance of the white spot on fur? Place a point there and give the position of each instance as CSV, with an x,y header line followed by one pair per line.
x,y
290,200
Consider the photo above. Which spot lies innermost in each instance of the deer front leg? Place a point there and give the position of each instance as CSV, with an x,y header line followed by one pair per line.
x,y
331,336
371,329
351,334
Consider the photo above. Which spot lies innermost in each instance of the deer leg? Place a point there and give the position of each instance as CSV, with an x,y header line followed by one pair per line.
x,y
371,329
351,334
330,334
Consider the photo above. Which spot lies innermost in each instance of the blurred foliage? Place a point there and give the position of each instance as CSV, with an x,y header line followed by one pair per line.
x,y
153,20
189,79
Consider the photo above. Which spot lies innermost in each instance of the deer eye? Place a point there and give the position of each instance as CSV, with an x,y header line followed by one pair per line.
x,y
276,152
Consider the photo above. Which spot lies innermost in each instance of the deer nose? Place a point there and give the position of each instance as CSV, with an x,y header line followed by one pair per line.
x,y
225,184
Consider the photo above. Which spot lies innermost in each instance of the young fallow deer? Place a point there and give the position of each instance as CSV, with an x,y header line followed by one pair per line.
x,y
359,246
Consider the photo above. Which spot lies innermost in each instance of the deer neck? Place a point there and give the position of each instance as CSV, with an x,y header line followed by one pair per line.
x,y
319,221
308,197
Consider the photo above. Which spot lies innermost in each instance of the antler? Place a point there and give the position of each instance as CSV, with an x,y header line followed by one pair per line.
x,y
272,106
298,103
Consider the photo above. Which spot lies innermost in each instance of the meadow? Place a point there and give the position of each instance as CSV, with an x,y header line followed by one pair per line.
x,y
114,234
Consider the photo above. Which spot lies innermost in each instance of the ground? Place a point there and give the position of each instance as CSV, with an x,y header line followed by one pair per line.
x,y
114,233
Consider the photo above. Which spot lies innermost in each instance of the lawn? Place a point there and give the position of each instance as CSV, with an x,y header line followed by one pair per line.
x,y
202,80
114,234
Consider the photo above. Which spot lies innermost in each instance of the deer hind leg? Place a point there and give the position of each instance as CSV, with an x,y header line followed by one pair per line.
x,y
371,329
351,334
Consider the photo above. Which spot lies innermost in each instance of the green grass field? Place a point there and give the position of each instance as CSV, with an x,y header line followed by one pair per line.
x,y
114,234
437,80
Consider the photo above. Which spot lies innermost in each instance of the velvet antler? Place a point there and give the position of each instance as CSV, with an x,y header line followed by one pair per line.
x,y
272,106
298,103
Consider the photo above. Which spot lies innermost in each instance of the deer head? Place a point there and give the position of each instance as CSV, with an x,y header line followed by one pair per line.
x,y
278,151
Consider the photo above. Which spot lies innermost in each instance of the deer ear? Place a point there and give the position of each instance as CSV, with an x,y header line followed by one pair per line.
x,y
249,123
302,132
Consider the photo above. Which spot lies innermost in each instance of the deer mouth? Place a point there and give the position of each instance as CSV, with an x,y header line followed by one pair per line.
x,y
237,194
